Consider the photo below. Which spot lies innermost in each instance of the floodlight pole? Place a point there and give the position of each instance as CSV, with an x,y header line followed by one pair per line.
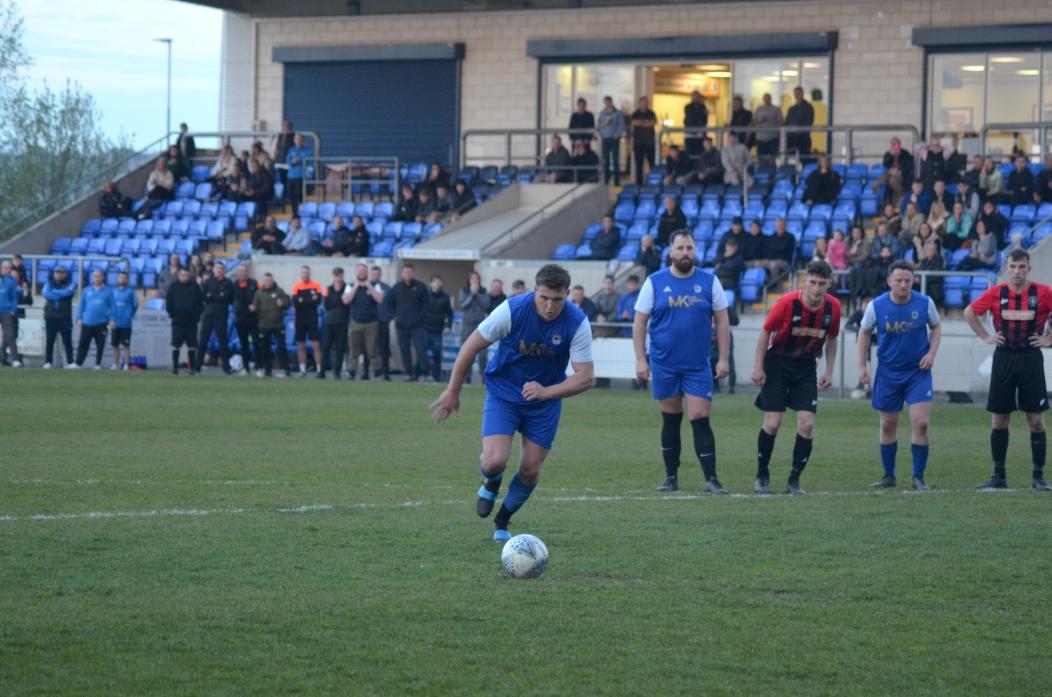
x,y
168,119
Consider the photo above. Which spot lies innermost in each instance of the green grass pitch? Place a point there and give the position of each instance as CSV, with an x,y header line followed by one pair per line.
x,y
206,536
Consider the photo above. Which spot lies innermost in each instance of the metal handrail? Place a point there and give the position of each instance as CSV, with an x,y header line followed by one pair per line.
x,y
508,134
390,162
226,136
542,211
1042,127
114,171
33,259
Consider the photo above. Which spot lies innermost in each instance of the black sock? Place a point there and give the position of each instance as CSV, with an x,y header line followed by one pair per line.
x,y
764,448
705,446
671,444
502,518
175,359
1037,452
999,449
191,356
801,453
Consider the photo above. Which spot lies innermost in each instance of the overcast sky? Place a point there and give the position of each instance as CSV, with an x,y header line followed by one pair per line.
x,y
107,47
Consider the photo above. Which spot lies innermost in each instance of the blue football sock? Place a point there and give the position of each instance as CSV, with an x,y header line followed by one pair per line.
x,y
888,451
517,494
920,459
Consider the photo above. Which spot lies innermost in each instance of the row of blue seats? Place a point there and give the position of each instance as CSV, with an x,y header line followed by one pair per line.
x,y
125,246
142,270
959,291
711,211
182,227
378,229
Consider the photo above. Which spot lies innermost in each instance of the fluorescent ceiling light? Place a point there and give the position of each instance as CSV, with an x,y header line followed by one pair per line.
x,y
1006,59
712,66
790,73
812,66
1028,72
719,73
973,68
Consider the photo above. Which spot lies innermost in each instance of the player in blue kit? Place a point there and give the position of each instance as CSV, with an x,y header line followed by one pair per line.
x,y
906,351
676,310
537,335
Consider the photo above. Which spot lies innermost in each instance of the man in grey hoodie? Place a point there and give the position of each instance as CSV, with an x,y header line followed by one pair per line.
x,y
474,304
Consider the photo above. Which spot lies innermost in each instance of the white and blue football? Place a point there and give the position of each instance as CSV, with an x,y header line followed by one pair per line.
x,y
524,556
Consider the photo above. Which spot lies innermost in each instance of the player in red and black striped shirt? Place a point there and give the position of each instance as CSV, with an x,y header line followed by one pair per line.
x,y
1020,311
800,326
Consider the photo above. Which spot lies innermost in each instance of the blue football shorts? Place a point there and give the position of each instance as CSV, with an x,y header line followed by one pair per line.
x,y
537,421
893,387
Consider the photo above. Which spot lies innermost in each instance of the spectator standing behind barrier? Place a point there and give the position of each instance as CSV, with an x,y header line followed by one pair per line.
x,y
306,297
246,321
496,294
1042,183
112,203
58,316
518,287
643,121
740,116
801,113
584,303
94,314
183,303
270,303
607,241
611,129
297,159
767,115
125,305
334,333
474,306
582,123
185,143
436,318
282,144
407,301
557,163
383,334
648,256
168,275
10,292
606,306
695,115
365,299
218,297
267,238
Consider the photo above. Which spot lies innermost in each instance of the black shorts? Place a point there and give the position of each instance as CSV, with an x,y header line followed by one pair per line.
x,y
790,383
307,329
1017,381
184,333
121,337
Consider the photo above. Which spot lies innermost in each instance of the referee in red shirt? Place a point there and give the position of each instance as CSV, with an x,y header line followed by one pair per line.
x,y
1020,311
799,327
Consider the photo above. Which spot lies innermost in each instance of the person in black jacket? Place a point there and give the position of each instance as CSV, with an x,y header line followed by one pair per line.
x,y
339,245
184,302
823,184
246,320
358,239
740,116
582,123
407,301
218,297
648,256
437,317
677,165
730,266
752,246
405,210
334,333
58,315
113,204
383,326
463,197
185,143
671,219
607,242
1020,185
695,115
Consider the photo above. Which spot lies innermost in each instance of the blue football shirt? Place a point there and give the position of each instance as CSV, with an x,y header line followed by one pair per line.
x,y
902,330
680,310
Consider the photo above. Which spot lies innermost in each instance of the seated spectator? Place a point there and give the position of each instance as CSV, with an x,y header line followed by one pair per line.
x,y
585,162
463,197
648,256
160,186
778,249
267,238
984,251
168,275
967,196
821,251
607,243
444,205
709,168
933,166
973,172
262,157
991,181
606,306
837,251
937,217
737,233
677,165
860,258
994,220
436,176
931,259
1020,186
735,162
224,166
113,204
425,206
958,227
892,219
1043,183
939,194
557,163
671,219
405,209
178,165
883,239
822,185
297,240
924,235
911,224
898,170
753,246
259,186
956,163
358,241
339,244
730,266
584,303
920,198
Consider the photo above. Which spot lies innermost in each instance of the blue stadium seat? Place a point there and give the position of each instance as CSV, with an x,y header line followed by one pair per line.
x,y
200,173
628,251
690,207
97,246
1024,213
216,231
799,211
411,231
61,246
191,208
703,232
956,257
317,229
345,209
172,209
564,252
198,228
376,229
149,245
203,191
179,228
583,251
977,287
953,291
393,231
126,226
868,204
109,226
185,190
365,209
209,209
710,210
591,231
187,247
432,230
636,231
1040,233
166,247
731,209
624,212
79,246
857,171
383,248
144,227
1044,212
130,247
754,211
750,289
383,209
91,226
327,210
821,211
308,209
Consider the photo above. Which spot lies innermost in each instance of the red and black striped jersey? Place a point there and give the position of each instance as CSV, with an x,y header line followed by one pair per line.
x,y
1018,316
799,332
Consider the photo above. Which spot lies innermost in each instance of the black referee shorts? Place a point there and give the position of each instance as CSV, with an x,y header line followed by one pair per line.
x,y
121,337
184,333
1017,381
790,383
307,328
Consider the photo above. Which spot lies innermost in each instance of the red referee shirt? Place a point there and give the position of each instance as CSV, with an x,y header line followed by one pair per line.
x,y
1018,316
799,332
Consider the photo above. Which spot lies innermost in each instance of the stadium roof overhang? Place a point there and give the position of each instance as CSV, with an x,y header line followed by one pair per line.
x,y
328,8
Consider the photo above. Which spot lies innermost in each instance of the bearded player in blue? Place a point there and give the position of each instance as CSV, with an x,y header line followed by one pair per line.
x,y
537,335
905,354
676,310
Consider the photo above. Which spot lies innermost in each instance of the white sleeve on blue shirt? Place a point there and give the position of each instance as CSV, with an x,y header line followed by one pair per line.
x,y
719,298
933,314
645,301
581,345
869,317
498,324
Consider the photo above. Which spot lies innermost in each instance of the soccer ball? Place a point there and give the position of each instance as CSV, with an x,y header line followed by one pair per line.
x,y
524,556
